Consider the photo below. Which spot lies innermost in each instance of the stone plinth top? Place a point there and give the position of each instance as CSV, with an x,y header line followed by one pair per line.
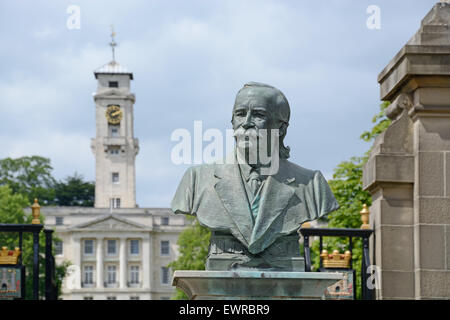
x,y
205,285
255,275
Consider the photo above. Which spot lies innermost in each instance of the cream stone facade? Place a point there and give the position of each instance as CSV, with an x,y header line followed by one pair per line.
x,y
119,254
117,250
114,146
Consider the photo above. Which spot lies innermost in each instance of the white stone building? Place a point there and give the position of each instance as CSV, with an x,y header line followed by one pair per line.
x,y
117,250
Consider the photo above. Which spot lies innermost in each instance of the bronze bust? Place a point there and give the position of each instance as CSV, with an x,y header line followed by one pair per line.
x,y
254,216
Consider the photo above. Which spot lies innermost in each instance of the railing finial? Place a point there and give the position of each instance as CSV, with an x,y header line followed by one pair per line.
x,y
35,212
365,217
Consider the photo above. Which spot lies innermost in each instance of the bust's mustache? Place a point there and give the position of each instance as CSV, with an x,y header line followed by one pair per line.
x,y
247,138
242,133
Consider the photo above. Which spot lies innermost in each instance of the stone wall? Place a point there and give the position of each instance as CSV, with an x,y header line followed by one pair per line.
x,y
408,171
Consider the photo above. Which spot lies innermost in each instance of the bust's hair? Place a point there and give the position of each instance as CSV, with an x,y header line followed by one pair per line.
x,y
280,109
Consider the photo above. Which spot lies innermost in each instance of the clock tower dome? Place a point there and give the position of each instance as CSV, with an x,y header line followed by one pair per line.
x,y
114,146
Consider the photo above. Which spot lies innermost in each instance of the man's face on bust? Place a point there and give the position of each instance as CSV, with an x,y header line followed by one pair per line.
x,y
251,113
251,109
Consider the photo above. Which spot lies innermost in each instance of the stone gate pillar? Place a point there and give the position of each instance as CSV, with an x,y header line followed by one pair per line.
x,y
408,171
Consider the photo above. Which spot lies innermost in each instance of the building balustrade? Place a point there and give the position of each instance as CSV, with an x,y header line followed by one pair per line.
x,y
107,284
134,285
87,285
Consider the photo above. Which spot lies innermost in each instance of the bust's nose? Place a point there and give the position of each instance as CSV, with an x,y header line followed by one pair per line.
x,y
248,121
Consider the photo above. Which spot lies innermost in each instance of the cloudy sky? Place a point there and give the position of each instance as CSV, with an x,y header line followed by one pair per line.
x,y
189,58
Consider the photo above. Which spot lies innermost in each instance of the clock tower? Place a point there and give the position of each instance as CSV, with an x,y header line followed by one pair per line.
x,y
114,146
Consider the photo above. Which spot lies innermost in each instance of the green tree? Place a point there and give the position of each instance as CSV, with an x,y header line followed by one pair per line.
x,y
29,176
12,212
32,177
381,123
348,190
74,191
21,181
347,180
193,245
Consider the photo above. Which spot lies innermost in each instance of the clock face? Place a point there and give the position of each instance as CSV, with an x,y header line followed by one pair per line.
x,y
114,114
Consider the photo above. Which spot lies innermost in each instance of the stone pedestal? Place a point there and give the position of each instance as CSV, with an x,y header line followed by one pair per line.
x,y
246,285
408,171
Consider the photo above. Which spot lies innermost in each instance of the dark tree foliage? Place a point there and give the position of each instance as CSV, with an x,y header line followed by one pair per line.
x,y
74,191
32,177
29,176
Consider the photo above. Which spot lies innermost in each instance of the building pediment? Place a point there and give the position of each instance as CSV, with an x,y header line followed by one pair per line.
x,y
110,222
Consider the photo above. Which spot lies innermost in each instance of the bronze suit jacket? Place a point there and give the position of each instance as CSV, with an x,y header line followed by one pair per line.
x,y
215,194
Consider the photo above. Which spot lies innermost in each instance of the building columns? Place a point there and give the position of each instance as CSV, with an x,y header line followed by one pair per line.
x,y
146,263
77,263
123,263
99,252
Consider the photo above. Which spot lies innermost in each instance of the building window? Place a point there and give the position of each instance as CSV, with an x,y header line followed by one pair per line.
x,y
115,177
165,248
115,203
114,131
134,274
112,247
88,275
113,84
134,298
111,298
113,150
164,275
88,246
58,247
88,298
111,275
59,221
134,246
165,221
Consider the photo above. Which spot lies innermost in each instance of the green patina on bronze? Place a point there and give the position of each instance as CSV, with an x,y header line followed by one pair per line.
x,y
219,195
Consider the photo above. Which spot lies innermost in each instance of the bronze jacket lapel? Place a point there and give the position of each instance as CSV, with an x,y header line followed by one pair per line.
x,y
231,192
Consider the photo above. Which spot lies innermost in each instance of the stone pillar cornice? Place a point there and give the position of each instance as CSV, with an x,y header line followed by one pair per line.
x,y
427,54
412,64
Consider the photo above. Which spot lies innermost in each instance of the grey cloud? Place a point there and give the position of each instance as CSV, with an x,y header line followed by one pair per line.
x,y
189,59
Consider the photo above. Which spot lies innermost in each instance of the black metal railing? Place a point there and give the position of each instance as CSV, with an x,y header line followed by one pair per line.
x,y
51,288
366,292
35,229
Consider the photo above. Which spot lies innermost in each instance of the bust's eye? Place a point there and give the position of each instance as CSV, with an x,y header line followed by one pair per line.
x,y
259,114
240,113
